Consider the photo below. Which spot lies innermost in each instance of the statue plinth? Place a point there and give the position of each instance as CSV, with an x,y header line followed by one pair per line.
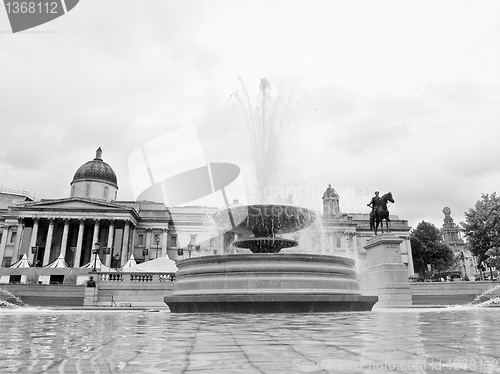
x,y
386,276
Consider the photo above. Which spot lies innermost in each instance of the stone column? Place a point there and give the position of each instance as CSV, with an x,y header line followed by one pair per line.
x,y
124,255
95,238
48,242
64,241
3,243
111,233
79,243
164,237
34,234
386,275
17,245
149,233
132,242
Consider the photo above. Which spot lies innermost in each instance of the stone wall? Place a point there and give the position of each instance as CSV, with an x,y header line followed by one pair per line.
x,y
47,295
450,293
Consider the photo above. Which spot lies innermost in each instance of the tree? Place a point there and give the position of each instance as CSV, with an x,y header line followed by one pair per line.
x,y
493,257
428,249
482,226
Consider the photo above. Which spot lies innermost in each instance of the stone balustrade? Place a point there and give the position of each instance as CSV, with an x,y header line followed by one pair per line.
x,y
106,277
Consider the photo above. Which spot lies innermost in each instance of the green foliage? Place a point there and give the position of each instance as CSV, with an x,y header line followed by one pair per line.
x,y
482,226
427,248
494,257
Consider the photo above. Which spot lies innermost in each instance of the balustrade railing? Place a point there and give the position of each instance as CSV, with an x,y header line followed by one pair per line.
x,y
135,277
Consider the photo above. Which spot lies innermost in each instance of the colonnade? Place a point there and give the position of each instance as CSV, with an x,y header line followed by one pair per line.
x,y
74,239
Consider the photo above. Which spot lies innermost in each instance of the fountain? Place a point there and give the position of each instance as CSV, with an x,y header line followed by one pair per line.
x,y
9,300
266,281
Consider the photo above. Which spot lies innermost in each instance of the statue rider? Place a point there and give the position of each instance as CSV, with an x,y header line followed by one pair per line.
x,y
375,202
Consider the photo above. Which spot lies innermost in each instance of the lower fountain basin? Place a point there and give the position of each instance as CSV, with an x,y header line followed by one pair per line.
x,y
267,283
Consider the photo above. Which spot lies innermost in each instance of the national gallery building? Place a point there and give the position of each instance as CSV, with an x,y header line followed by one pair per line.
x,y
92,219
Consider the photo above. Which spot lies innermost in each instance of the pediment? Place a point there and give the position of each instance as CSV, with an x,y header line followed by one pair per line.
x,y
75,204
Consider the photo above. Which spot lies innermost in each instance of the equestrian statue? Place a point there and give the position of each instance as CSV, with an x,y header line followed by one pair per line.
x,y
379,211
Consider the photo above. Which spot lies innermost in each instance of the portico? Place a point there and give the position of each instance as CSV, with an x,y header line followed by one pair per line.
x,y
71,227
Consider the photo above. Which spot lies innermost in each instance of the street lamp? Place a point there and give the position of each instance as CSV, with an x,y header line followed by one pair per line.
x,y
34,250
157,242
73,250
117,259
97,246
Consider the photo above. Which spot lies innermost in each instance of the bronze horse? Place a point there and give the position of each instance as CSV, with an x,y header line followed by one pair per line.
x,y
381,213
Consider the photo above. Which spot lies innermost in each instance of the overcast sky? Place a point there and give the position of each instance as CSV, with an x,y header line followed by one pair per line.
x,y
391,95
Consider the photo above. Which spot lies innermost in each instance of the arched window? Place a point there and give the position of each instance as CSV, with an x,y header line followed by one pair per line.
x,y
87,189
105,194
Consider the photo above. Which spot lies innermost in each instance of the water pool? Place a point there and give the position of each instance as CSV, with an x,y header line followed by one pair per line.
x,y
458,339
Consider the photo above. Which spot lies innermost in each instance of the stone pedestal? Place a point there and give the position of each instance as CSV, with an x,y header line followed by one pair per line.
x,y
386,276
90,296
267,283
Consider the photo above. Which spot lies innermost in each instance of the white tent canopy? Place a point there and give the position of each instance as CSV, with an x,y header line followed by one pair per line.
x,y
58,263
22,263
131,262
98,264
158,265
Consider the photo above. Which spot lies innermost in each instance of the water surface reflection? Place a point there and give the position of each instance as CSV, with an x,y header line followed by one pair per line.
x,y
417,341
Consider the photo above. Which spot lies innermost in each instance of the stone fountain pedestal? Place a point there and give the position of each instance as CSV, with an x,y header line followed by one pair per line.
x,y
267,283
386,276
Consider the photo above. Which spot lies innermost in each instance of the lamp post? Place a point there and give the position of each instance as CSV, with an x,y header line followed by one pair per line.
x,y
157,237
34,250
97,246
117,259
73,250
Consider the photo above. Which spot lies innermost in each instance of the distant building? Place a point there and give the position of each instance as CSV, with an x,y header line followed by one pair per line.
x,y
93,219
452,238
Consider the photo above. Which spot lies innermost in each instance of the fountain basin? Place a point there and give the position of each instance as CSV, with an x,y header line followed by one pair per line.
x,y
267,283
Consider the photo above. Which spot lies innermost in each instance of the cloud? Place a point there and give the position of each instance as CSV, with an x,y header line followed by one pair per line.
x,y
395,96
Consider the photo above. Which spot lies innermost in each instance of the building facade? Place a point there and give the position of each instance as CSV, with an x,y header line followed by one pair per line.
x,y
92,219
452,237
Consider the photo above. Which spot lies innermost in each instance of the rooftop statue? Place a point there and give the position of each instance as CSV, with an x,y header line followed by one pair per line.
x,y
330,201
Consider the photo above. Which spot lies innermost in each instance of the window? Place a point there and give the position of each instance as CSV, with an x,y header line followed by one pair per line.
x,y
13,237
87,189
174,241
140,239
105,193
339,242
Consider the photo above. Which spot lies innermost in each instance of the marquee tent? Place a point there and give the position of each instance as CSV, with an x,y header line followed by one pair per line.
x,y
158,265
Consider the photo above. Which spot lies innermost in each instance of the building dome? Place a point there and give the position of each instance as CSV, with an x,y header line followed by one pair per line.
x,y
97,171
